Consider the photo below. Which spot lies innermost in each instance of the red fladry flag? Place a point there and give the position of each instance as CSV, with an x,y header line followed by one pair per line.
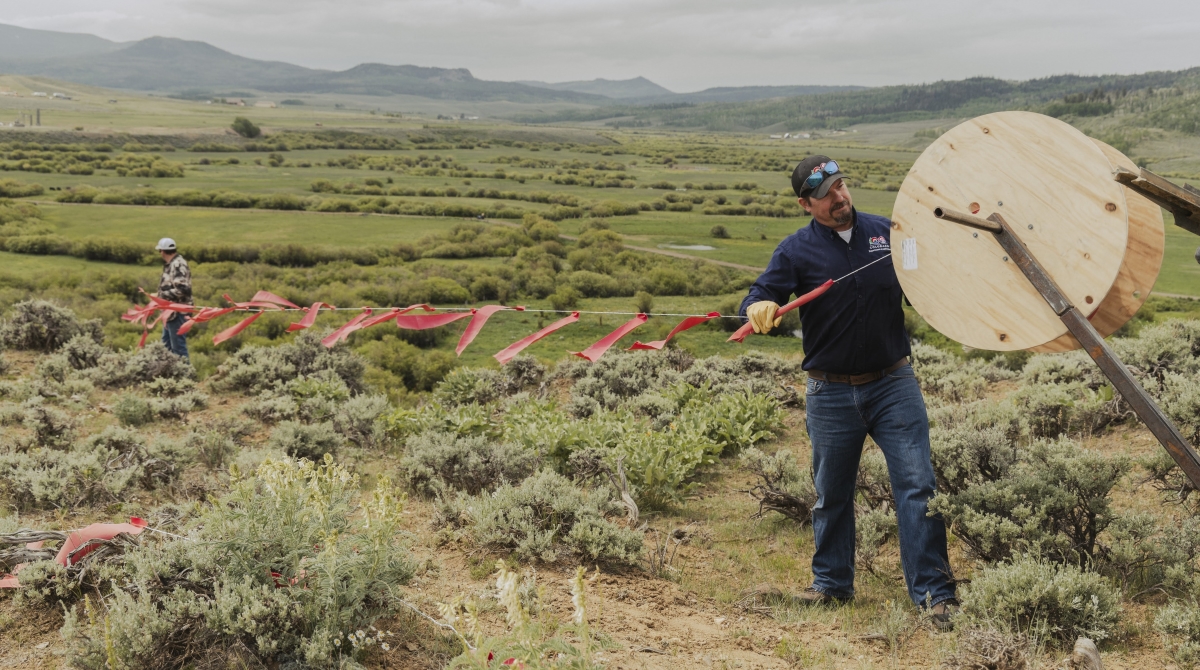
x,y
481,316
206,314
690,322
342,333
77,542
594,352
310,318
802,300
230,332
517,347
267,296
389,315
146,330
260,304
159,303
427,321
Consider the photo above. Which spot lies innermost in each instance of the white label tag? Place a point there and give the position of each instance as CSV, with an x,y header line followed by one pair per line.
x,y
908,249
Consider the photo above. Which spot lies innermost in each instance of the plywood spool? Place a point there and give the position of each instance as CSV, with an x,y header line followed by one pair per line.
x,y
1052,184
1139,271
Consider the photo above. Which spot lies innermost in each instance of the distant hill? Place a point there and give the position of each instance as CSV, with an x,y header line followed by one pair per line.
x,y
638,87
1168,100
26,44
174,65
748,93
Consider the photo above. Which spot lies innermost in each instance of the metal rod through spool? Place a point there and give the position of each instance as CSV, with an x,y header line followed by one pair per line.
x,y
1122,379
969,220
1182,201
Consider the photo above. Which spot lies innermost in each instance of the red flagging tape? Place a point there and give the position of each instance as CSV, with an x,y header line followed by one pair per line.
x,y
480,317
690,322
146,330
517,347
342,333
260,304
206,314
310,318
802,300
267,296
594,352
75,540
389,315
427,321
230,332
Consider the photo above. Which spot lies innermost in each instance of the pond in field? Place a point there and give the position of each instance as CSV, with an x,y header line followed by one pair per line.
x,y
688,247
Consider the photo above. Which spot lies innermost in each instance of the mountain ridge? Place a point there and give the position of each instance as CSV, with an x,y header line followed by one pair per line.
x,y
196,68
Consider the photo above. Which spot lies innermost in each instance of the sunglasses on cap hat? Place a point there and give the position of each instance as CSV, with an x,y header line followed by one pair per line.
x,y
819,173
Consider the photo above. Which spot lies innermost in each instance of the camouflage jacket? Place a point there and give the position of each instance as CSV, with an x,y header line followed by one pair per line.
x,y
176,282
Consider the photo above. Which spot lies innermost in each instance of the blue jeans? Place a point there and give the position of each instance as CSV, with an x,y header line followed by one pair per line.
x,y
176,343
892,411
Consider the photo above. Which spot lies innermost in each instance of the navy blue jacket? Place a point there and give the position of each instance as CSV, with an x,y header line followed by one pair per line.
x,y
858,325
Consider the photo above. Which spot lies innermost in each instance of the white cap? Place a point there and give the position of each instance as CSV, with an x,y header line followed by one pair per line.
x,y
165,244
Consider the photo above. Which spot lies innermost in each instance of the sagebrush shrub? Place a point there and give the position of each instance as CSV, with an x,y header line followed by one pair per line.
x,y
523,372
305,441
437,462
170,387
43,326
1141,554
178,407
154,361
285,565
102,468
783,486
469,385
131,410
545,517
989,648
1055,501
1179,625
755,372
1173,346
952,378
83,352
254,369
269,408
1064,368
872,529
1062,602
616,378
963,456
51,427
357,419
214,443
1180,399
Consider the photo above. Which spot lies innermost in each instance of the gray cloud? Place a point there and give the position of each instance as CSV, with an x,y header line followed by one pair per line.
x,y
682,44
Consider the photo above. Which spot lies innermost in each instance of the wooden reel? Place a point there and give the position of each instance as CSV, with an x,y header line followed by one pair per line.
x,y
1100,243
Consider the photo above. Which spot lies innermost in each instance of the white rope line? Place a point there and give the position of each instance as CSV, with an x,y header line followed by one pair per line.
x,y
418,311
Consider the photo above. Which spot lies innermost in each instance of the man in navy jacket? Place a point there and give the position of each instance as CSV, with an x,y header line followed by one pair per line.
x,y
860,383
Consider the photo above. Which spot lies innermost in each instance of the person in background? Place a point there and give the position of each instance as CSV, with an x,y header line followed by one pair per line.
x,y
176,286
860,383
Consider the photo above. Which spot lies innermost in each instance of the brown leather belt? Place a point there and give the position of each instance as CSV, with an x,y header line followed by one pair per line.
x,y
855,380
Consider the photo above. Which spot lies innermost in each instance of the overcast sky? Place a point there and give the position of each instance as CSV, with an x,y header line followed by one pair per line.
x,y
684,45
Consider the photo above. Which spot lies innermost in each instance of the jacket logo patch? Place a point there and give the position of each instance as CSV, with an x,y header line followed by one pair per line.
x,y
878,243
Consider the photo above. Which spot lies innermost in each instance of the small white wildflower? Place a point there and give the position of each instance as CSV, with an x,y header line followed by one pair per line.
x,y
360,634
337,643
386,647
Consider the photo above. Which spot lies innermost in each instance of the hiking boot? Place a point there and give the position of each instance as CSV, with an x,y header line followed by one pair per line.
x,y
811,596
942,614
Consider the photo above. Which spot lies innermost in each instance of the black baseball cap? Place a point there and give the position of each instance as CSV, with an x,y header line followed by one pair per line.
x,y
806,168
